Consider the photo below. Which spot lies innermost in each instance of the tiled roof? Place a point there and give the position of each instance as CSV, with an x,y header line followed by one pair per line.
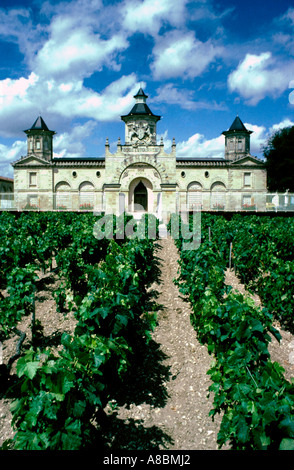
x,y
4,178
141,108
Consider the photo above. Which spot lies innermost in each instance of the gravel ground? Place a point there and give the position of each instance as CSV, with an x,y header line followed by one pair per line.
x,y
165,404
183,416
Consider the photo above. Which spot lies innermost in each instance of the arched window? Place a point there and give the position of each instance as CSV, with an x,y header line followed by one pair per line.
x,y
86,196
194,195
218,196
62,196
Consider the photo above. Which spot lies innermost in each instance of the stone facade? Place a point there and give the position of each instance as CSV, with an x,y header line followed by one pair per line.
x,y
140,176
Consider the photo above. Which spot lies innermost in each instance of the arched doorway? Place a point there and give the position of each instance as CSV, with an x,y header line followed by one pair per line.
x,y
140,197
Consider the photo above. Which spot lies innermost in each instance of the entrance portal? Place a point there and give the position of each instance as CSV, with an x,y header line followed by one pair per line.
x,y
140,197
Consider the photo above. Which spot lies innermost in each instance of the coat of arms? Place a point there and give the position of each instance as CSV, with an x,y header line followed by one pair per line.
x,y
140,132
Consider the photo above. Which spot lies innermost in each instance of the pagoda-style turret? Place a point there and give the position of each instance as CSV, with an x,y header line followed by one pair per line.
x,y
40,140
237,140
140,122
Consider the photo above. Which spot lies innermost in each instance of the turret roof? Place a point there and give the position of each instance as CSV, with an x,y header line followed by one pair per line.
x,y
237,126
140,93
39,125
141,108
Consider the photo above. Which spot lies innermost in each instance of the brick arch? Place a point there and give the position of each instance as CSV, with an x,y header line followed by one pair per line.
x,y
152,161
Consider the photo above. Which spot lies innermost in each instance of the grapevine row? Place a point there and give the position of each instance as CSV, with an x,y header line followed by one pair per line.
x,y
28,244
63,394
263,258
249,390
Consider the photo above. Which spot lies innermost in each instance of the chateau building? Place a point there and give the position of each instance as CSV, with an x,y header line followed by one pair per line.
x,y
140,175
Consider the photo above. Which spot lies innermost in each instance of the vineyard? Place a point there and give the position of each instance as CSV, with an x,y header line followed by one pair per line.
x,y
249,389
61,386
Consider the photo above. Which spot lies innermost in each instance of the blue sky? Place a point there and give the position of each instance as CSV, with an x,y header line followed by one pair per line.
x,y
201,62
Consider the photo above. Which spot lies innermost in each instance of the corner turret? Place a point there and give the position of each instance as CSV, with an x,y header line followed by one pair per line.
x,y
40,140
237,140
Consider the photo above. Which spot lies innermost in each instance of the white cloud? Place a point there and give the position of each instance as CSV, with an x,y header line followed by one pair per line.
x,y
281,125
9,154
197,146
180,54
183,97
70,144
257,138
200,147
12,91
172,95
167,142
258,76
16,26
83,102
12,20
75,51
70,48
16,103
13,152
21,101
148,16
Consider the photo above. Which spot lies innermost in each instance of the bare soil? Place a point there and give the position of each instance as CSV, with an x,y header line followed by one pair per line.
x,y
164,403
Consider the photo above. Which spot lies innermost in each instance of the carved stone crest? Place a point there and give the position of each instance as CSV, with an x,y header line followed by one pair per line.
x,y
140,132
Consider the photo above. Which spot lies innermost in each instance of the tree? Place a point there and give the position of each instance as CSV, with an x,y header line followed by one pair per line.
x,y
279,154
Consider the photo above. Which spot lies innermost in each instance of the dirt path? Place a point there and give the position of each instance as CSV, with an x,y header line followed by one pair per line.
x,y
184,416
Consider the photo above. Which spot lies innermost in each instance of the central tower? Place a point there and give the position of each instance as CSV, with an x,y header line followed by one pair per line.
x,y
140,123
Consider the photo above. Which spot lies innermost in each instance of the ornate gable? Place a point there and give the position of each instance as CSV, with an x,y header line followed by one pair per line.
x,y
31,161
247,160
